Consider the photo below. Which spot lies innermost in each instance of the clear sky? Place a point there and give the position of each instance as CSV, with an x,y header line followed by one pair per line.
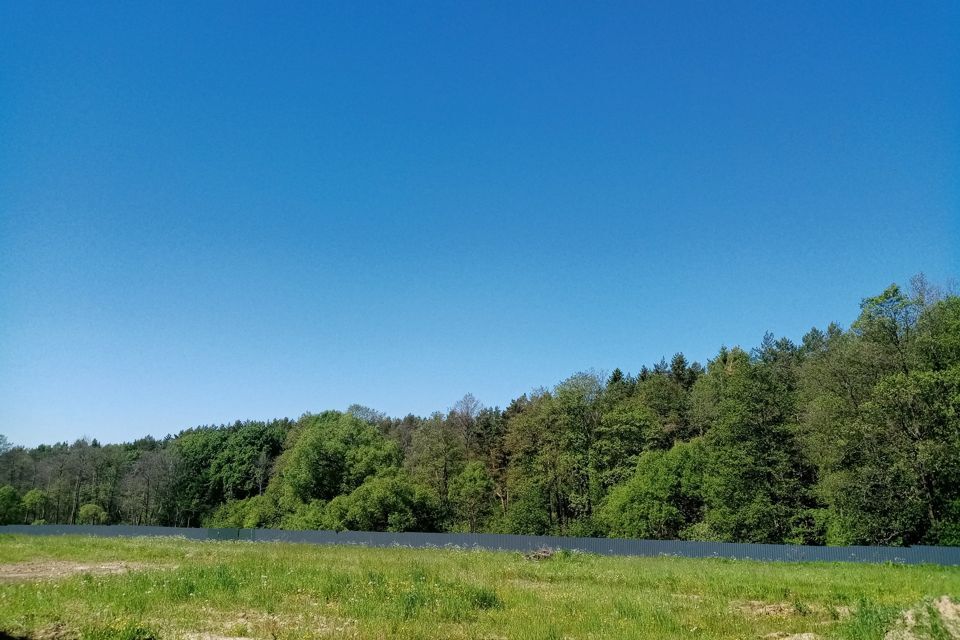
x,y
219,211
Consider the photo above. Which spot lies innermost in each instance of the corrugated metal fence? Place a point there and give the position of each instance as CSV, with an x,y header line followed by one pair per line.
x,y
497,542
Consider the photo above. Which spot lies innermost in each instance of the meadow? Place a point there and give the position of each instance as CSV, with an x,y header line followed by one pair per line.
x,y
146,588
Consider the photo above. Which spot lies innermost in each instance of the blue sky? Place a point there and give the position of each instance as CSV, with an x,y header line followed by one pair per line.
x,y
220,211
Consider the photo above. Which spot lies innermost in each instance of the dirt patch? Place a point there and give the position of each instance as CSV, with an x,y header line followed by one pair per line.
x,y
949,612
57,569
212,636
926,619
759,609
782,635
52,632
756,608
841,612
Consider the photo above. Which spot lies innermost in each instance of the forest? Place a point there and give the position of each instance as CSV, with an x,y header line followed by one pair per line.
x,y
849,436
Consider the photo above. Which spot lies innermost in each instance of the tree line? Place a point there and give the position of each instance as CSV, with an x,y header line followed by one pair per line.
x,y
850,436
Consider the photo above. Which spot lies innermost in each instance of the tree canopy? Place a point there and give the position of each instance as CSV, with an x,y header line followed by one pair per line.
x,y
847,436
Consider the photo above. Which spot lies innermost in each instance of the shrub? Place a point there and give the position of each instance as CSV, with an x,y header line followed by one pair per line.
x,y
92,514
388,502
10,509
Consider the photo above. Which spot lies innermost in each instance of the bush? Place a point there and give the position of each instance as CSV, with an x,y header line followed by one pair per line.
x,y
312,515
946,532
527,513
388,502
701,532
92,514
660,500
250,513
10,508
34,504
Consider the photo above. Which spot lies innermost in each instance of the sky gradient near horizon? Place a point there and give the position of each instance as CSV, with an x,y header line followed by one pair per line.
x,y
222,211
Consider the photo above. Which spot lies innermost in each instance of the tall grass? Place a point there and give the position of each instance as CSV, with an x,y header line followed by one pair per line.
x,y
264,590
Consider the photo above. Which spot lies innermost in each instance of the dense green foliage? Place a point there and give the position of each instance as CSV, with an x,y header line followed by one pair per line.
x,y
847,437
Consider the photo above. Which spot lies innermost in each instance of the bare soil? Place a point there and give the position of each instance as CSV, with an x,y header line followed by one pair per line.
x,y
57,569
917,623
757,608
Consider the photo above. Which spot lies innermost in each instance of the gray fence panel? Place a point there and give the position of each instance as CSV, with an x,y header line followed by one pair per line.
x,y
105,531
504,542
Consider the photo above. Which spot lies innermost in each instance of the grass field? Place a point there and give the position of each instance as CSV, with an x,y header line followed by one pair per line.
x,y
140,588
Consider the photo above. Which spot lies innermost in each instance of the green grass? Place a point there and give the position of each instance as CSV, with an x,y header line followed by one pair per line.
x,y
267,590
